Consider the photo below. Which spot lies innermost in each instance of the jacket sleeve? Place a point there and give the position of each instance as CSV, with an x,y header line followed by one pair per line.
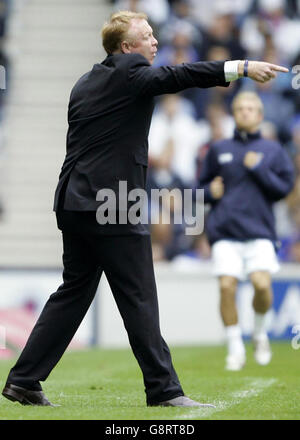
x,y
210,170
275,175
147,80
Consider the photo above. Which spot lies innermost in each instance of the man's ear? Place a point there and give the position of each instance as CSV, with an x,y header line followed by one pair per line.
x,y
125,47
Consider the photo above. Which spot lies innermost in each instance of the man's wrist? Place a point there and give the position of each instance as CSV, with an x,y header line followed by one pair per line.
x,y
241,68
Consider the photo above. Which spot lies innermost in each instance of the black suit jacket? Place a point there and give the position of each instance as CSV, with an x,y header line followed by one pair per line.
x,y
109,118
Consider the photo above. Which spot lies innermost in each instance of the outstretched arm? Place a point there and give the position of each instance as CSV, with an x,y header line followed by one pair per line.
x,y
144,79
147,80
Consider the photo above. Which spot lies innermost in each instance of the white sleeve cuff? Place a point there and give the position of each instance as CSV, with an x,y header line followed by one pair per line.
x,y
231,70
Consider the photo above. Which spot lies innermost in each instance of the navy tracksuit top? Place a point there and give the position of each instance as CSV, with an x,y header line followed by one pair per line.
x,y
245,210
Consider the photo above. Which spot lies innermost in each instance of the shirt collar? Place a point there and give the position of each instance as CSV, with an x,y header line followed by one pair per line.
x,y
244,136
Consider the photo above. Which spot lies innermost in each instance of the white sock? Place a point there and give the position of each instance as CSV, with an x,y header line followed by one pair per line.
x,y
260,326
234,340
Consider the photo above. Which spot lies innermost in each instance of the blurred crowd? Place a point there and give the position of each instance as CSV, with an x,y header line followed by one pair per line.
x,y
185,125
4,80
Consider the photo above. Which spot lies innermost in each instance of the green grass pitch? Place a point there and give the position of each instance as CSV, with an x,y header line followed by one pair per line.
x,y
107,385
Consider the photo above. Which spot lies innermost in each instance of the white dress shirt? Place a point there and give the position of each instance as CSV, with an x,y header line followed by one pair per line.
x,y
231,70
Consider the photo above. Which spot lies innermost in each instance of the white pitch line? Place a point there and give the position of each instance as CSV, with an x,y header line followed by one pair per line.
x,y
254,388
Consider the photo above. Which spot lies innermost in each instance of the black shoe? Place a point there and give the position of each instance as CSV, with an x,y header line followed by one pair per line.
x,y
24,396
183,402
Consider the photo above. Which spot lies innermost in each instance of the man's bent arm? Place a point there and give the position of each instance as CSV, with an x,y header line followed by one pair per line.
x,y
210,169
277,179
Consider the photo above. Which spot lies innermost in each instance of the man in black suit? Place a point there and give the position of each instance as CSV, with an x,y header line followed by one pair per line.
x,y
109,117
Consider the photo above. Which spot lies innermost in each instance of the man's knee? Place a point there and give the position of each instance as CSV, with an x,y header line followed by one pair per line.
x,y
228,286
261,281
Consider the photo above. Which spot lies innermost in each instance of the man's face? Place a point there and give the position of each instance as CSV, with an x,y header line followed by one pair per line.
x,y
142,40
247,115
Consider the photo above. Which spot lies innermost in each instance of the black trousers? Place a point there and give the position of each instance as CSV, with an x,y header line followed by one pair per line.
x,y
128,266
